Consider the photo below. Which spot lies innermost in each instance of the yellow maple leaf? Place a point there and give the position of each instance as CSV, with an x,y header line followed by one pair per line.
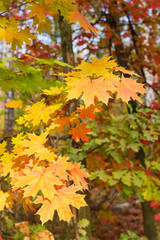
x,y
34,144
100,67
11,32
18,139
2,147
53,91
6,199
38,178
40,112
61,201
128,88
14,104
3,198
90,89
7,162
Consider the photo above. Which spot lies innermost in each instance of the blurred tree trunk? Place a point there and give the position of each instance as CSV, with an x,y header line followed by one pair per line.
x,y
9,112
68,57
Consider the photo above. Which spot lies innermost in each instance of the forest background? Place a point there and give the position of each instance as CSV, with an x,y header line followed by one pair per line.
x,y
79,123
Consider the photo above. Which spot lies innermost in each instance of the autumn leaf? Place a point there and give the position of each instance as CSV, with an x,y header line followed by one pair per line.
x,y
3,197
37,179
77,16
53,91
125,71
39,112
88,112
61,201
128,88
7,162
90,89
6,199
61,166
100,67
34,144
79,132
77,175
14,104
40,11
2,147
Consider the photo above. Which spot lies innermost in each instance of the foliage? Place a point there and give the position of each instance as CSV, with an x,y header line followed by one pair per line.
x,y
42,167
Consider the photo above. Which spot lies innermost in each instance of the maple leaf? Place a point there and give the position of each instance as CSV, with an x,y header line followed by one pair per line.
x,y
128,88
90,89
12,34
3,197
100,67
14,104
61,166
40,11
7,162
76,16
61,201
125,71
33,144
88,112
80,132
39,112
2,147
77,175
53,91
37,179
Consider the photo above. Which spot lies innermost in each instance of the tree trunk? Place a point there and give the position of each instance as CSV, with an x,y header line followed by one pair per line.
x,y
68,57
148,221
9,114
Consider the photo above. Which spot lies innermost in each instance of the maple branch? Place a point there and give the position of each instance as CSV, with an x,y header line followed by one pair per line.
x,y
1,180
18,6
75,222
95,148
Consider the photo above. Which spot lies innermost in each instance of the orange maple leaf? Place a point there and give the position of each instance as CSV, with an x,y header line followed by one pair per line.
x,y
38,178
14,104
61,201
76,16
125,71
80,132
128,88
61,166
88,112
40,11
90,89
77,175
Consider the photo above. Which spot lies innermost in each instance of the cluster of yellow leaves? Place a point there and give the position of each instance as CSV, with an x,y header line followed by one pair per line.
x,y
40,12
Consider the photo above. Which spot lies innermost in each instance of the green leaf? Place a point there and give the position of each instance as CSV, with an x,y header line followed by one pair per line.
x,y
118,174
83,223
127,179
